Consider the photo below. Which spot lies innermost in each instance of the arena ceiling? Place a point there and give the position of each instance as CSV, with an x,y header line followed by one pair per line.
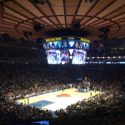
x,y
20,15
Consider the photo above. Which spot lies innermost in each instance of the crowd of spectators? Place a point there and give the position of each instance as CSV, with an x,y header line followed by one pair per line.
x,y
103,109
19,81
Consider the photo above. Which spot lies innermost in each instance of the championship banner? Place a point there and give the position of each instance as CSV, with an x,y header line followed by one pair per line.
x,y
1,12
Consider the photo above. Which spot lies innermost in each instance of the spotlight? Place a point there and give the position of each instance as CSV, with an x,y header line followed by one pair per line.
x,y
38,1
104,31
76,25
38,27
91,1
27,34
3,1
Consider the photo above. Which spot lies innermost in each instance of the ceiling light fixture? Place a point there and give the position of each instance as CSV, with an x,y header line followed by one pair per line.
x,y
38,1
90,1
3,1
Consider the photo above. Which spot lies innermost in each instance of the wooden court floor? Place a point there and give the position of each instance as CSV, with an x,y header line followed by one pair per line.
x,y
57,100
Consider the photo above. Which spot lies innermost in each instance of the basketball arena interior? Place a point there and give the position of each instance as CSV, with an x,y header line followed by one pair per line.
x,y
62,62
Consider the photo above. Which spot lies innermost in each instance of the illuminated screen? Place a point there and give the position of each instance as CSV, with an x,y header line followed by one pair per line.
x,y
53,56
79,57
66,51
44,122
65,56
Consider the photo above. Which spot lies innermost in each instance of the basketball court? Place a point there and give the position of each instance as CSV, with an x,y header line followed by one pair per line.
x,y
57,100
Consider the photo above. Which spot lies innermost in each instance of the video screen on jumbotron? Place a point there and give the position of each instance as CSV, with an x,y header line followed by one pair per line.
x,y
68,50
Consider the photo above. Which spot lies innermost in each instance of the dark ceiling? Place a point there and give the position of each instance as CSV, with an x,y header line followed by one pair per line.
x,y
20,15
